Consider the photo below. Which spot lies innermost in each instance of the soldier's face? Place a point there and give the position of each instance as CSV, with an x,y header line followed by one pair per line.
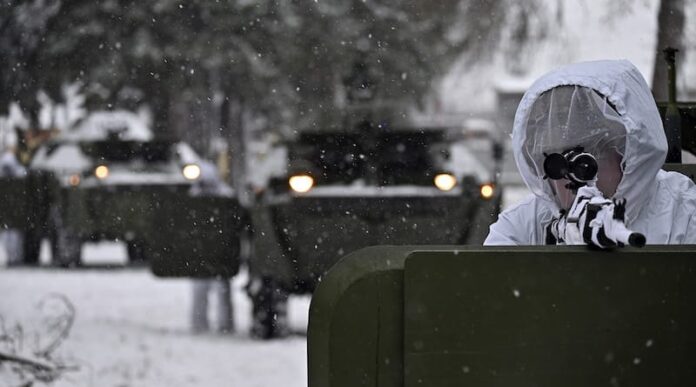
x,y
610,174
608,178
565,195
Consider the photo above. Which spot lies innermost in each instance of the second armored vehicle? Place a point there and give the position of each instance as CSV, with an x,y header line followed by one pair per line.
x,y
379,184
111,178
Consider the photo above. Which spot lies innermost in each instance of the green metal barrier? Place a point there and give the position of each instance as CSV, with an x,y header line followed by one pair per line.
x,y
199,236
686,169
13,203
502,316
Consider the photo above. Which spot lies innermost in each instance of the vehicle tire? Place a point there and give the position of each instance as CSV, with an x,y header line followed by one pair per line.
x,y
269,311
137,252
66,246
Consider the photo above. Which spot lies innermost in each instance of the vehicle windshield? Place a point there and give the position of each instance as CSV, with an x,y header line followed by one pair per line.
x,y
385,159
128,151
407,157
336,158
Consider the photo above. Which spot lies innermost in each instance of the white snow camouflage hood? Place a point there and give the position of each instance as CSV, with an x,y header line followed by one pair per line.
x,y
629,122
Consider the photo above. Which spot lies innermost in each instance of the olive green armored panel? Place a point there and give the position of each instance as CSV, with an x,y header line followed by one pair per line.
x,y
13,202
269,255
116,211
24,201
195,236
316,231
355,333
685,169
486,215
501,316
42,189
569,317
687,114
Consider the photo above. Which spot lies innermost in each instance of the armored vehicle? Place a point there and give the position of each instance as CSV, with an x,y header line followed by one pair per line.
x,y
379,184
110,178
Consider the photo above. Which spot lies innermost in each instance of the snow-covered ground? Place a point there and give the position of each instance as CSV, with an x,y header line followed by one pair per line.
x,y
132,329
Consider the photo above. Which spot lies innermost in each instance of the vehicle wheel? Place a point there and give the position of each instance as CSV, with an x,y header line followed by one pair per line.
x,y
137,251
65,245
270,306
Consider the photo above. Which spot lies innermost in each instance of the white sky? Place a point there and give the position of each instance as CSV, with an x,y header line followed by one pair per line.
x,y
587,33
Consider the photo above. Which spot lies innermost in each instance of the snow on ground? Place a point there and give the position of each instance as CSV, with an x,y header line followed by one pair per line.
x,y
132,329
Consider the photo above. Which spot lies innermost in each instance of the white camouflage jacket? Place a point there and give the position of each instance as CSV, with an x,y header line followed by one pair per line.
x,y
659,204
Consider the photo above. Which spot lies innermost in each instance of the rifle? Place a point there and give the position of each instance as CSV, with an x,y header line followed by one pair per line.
x,y
592,219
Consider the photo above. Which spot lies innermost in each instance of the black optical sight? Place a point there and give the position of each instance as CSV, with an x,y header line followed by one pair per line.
x,y
573,164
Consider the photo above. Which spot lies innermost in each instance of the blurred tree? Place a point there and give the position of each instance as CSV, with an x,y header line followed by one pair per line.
x,y
403,45
671,20
23,25
285,60
211,68
670,33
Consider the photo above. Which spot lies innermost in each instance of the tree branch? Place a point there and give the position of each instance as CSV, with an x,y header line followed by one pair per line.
x,y
27,361
63,323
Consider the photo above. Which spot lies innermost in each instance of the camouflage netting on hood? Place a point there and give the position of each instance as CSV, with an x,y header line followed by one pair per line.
x,y
567,117
600,105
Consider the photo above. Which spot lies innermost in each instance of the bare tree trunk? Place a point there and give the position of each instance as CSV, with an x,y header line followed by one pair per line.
x,y
670,31
232,122
225,131
161,105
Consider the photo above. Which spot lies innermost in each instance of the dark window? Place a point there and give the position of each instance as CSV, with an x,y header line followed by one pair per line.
x,y
124,151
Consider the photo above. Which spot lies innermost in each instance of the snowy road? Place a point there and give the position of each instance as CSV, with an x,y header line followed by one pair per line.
x,y
131,329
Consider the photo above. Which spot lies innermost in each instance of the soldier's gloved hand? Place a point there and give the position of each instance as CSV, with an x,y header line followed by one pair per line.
x,y
593,220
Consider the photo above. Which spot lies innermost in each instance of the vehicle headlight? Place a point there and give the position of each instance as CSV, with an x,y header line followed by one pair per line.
x,y
101,172
445,181
191,171
301,183
487,190
74,180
